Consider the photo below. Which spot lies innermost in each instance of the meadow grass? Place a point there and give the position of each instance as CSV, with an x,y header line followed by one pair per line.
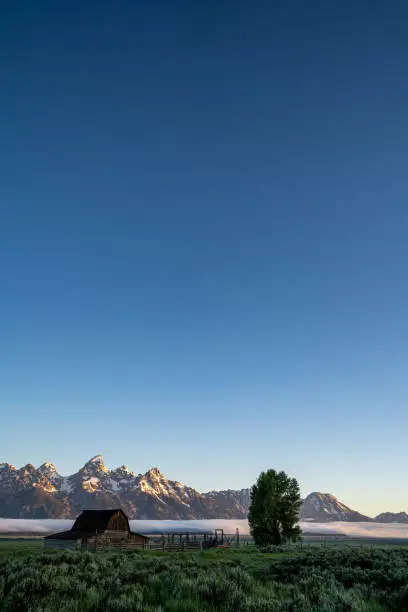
x,y
14,547
365,579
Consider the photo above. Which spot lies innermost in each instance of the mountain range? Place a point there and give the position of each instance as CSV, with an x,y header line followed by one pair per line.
x,y
30,492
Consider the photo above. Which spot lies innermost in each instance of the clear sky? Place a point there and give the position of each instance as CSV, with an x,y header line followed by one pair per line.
x,y
204,240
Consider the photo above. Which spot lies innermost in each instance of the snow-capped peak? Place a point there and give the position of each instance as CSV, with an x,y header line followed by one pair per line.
x,y
95,464
96,459
27,469
155,473
47,467
120,478
49,477
123,470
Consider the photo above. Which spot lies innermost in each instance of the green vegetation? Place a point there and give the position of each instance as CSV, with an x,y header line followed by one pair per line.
x,y
274,511
20,547
289,579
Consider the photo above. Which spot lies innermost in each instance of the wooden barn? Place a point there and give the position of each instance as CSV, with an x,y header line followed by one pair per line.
x,y
98,530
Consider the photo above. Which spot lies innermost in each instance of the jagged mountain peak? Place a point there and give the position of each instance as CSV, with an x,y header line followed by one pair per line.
x,y
123,469
28,468
95,464
47,468
154,472
152,479
97,459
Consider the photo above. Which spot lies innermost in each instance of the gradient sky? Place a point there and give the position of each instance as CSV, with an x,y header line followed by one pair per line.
x,y
204,240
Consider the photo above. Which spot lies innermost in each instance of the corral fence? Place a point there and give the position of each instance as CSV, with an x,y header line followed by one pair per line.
x,y
173,541
198,541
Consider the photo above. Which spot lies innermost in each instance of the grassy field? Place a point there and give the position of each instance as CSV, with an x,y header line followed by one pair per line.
x,y
318,578
17,548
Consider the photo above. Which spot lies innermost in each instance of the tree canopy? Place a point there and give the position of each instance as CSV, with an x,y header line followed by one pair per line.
x,y
274,510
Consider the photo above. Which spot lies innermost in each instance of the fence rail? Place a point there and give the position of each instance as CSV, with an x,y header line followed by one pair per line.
x,y
176,546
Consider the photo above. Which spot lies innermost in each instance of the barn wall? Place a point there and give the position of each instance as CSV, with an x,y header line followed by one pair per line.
x,y
98,543
137,539
115,534
104,542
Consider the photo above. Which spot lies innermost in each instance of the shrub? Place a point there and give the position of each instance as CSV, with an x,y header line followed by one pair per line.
x,y
337,579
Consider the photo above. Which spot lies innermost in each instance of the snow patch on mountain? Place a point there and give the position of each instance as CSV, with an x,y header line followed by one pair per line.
x,y
66,485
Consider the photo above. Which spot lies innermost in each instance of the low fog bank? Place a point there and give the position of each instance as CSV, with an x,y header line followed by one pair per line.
x,y
33,526
359,530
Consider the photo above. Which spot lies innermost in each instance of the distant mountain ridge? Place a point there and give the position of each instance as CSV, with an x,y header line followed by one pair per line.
x,y
43,493
392,517
325,507
30,492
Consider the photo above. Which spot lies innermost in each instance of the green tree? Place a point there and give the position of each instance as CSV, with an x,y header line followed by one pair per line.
x,y
274,510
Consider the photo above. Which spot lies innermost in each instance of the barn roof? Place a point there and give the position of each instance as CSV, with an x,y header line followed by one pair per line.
x,y
90,521
65,535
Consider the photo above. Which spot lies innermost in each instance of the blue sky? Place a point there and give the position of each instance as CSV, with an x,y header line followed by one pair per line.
x,y
203,240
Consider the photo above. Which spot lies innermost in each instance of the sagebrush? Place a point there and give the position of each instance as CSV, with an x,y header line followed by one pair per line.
x,y
361,579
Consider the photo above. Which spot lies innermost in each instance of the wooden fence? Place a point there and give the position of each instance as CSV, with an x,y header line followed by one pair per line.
x,y
174,546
